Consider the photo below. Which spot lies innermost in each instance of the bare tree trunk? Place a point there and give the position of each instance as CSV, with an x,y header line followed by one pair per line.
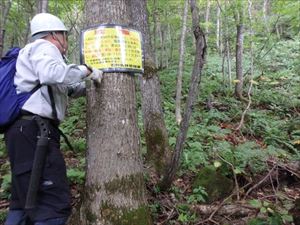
x,y
170,46
156,135
155,32
42,6
239,50
114,190
181,62
251,39
218,30
4,7
161,45
226,51
241,123
239,61
207,16
228,60
265,15
192,96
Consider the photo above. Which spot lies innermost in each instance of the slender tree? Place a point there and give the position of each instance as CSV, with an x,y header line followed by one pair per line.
x,y
239,19
181,62
207,16
156,135
42,6
218,30
192,96
114,192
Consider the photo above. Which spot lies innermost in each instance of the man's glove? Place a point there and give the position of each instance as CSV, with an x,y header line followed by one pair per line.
x,y
96,75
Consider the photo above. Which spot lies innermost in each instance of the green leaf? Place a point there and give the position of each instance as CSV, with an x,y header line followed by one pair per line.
x,y
255,203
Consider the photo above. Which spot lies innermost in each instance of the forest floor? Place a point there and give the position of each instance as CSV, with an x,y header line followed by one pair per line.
x,y
272,193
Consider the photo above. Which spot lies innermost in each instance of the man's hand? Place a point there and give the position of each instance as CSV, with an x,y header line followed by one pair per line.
x,y
96,75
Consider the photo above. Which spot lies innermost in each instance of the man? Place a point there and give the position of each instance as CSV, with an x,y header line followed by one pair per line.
x,y
41,63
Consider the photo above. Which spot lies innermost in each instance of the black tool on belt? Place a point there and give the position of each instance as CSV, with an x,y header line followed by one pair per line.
x,y
38,162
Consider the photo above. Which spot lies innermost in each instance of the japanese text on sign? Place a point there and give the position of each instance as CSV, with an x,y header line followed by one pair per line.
x,y
112,48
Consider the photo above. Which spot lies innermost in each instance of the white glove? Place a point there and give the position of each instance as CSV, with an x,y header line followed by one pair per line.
x,y
96,75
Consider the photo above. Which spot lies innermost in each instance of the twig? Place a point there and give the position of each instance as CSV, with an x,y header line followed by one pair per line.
x,y
170,216
272,184
259,183
235,178
247,108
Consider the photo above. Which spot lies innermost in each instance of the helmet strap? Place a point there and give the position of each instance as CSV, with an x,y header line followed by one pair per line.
x,y
61,45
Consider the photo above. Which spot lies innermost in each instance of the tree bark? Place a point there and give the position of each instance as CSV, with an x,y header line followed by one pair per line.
x,y
181,62
155,32
156,135
265,14
207,16
114,192
42,6
192,97
4,7
218,30
239,51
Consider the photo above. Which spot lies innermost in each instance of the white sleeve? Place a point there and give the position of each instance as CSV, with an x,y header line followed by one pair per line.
x,y
77,90
49,66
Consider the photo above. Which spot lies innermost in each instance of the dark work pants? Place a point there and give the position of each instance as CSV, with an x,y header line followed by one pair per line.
x,y
53,200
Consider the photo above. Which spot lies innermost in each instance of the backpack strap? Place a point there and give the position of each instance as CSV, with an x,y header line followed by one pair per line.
x,y
35,88
54,114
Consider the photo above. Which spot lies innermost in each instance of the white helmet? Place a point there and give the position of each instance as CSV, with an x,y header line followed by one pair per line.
x,y
46,22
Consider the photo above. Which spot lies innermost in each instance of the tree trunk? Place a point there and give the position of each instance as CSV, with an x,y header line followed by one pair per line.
x,y
192,97
155,32
181,62
218,30
4,7
239,51
265,15
42,6
114,192
207,16
156,134
161,45
239,62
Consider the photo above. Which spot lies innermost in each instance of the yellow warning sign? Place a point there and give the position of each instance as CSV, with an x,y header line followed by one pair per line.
x,y
112,48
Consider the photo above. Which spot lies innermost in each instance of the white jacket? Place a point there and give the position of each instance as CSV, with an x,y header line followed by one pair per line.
x,y
41,62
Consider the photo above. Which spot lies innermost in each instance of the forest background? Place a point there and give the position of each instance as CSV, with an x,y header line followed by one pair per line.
x,y
240,162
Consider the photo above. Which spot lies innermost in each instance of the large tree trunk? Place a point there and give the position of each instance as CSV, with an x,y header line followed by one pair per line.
x,y
192,97
114,192
4,8
181,62
156,134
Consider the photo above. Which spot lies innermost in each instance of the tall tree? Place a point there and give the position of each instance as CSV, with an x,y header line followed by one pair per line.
x,y
42,6
4,7
218,30
239,19
207,16
114,191
156,135
181,62
192,96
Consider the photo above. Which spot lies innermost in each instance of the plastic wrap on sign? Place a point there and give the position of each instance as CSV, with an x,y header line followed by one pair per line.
x,y
112,48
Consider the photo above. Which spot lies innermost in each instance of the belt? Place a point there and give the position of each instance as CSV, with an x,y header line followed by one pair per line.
x,y
25,115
